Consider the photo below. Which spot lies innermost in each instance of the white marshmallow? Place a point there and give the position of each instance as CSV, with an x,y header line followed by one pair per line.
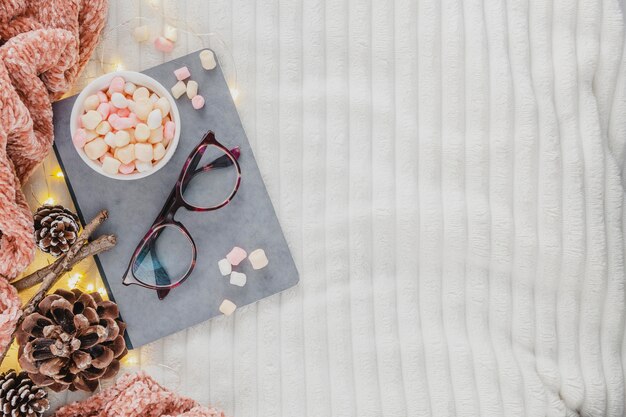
x,y
91,119
143,166
238,279
158,151
141,92
103,128
156,135
92,102
170,32
227,307
164,105
109,139
141,33
258,259
122,138
110,165
192,89
225,267
96,148
143,152
129,88
126,154
154,119
119,100
143,107
179,89
142,132
207,59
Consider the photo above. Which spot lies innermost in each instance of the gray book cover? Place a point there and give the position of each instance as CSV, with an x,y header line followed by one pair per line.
x,y
249,221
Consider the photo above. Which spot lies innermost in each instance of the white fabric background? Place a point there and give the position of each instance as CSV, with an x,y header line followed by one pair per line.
x,y
447,175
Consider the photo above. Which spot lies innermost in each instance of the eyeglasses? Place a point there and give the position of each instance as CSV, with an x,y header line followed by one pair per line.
x,y
166,255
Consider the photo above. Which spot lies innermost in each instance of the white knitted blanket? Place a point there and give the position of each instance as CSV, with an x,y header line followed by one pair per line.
x,y
450,178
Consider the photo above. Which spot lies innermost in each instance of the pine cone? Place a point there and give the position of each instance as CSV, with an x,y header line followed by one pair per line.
x,y
56,229
20,397
73,340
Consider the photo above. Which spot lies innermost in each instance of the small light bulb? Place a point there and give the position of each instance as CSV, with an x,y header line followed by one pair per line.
x,y
102,291
119,66
73,281
49,201
235,93
59,174
131,360
90,287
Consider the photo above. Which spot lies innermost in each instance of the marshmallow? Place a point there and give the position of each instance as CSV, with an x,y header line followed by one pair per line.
x,y
192,89
125,112
104,109
141,92
258,259
207,59
122,138
80,138
164,45
153,98
169,130
158,151
142,132
182,73
127,168
117,85
102,96
96,148
164,105
156,135
236,255
119,101
141,33
154,119
225,267
227,307
91,119
126,155
109,139
129,88
91,102
143,107
143,152
143,166
197,102
179,89
238,279
110,165
103,128
170,33
91,135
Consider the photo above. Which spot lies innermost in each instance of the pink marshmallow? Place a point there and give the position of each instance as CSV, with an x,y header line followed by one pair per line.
x,y
80,138
236,255
104,109
182,73
117,85
102,96
163,45
197,102
134,120
127,168
169,130
123,112
120,123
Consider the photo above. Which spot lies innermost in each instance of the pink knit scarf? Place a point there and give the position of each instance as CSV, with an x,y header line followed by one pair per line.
x,y
137,396
43,47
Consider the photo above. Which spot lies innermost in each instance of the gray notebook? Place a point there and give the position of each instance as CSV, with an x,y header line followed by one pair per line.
x,y
249,221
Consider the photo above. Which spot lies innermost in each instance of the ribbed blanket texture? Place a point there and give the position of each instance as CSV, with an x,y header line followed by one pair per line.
x,y
450,178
